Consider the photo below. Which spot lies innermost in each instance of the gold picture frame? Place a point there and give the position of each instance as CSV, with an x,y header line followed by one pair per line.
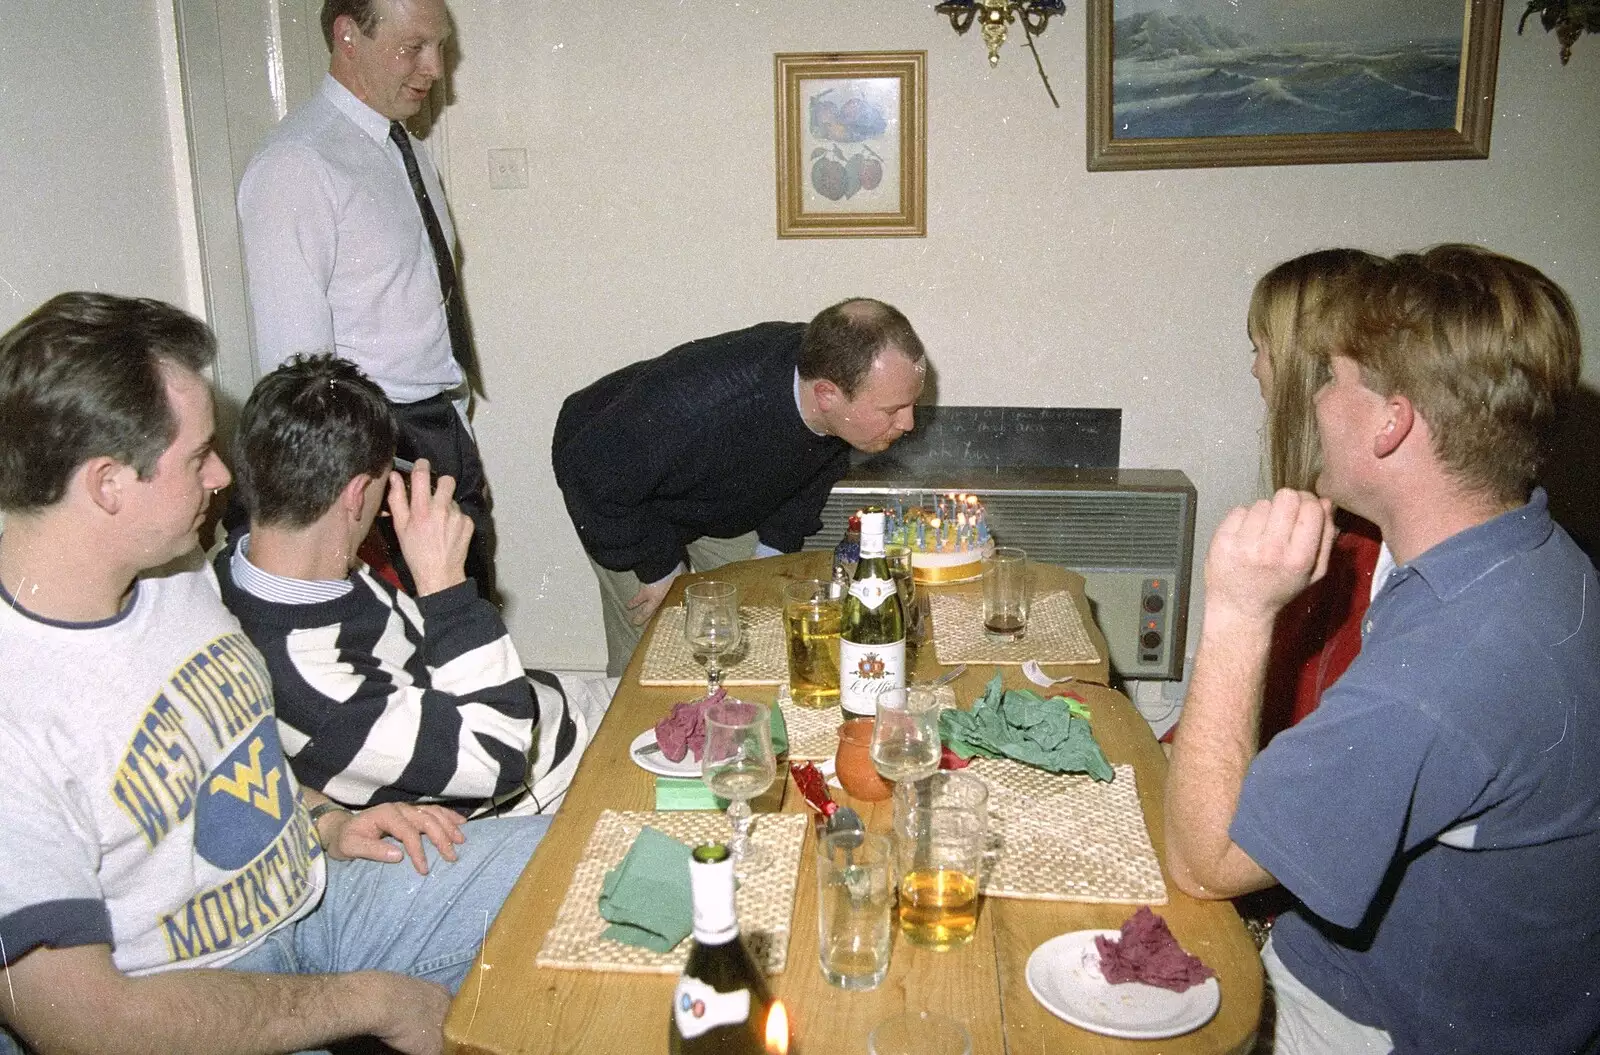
x,y
1114,146
852,146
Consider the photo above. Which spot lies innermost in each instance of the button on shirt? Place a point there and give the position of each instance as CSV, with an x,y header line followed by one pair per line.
x,y
336,254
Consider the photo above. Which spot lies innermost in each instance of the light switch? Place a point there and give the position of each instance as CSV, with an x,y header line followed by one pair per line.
x,y
508,168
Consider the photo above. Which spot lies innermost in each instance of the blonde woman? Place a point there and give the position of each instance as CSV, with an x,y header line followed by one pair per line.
x,y
1319,632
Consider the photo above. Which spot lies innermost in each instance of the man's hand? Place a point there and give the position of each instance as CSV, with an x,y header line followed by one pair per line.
x,y
348,836
649,598
432,529
1263,555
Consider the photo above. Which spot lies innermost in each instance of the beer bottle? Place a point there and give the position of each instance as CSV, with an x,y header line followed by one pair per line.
x,y
721,1002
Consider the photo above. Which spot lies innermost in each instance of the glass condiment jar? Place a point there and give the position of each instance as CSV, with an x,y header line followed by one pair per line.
x,y
848,552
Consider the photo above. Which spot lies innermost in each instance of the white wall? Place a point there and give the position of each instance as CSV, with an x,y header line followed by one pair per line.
x,y
88,180
649,220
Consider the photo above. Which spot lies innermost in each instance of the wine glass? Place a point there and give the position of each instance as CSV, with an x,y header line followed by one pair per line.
x,y
737,765
711,624
905,737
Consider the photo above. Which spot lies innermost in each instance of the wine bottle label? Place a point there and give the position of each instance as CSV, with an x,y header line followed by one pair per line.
x,y
696,1007
867,672
872,592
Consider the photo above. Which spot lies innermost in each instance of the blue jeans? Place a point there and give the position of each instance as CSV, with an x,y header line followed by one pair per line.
x,y
387,917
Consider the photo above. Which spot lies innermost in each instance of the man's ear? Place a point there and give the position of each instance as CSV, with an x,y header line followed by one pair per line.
x,y
827,394
1399,419
353,495
102,479
344,32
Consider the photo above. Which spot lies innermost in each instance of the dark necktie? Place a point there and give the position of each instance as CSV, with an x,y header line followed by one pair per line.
x,y
454,312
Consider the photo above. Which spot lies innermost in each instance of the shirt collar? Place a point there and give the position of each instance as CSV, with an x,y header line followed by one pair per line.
x,y
366,118
279,588
1467,556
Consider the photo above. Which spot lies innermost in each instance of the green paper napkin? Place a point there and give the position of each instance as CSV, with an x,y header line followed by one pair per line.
x,y
646,897
1050,734
780,730
686,793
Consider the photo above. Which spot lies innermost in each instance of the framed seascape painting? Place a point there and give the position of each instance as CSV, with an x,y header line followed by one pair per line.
x,y
1195,83
851,144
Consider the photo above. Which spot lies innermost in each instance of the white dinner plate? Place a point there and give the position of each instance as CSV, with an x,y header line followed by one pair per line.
x,y
658,763
1064,975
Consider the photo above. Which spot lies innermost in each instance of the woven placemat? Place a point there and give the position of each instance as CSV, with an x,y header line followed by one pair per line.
x,y
765,900
759,660
1055,632
813,731
1068,837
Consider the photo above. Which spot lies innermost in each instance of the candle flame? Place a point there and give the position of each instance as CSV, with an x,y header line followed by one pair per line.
x,y
778,1029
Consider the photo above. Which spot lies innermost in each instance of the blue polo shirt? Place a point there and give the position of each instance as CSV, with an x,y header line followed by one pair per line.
x,y
1438,816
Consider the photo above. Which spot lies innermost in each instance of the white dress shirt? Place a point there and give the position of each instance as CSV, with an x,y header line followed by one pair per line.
x,y
336,254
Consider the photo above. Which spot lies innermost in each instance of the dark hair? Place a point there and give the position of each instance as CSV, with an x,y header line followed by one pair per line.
x,y
84,377
1484,346
365,13
308,428
842,342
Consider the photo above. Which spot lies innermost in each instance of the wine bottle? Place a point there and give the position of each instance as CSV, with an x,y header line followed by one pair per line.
x,y
872,636
721,1002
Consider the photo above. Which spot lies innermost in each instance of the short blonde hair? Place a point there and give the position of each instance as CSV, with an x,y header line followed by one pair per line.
x,y
1283,306
1485,347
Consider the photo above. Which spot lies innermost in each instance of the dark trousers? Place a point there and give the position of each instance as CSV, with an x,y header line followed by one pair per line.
x,y
432,429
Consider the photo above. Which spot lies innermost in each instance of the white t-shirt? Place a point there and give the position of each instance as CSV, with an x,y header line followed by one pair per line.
x,y
146,799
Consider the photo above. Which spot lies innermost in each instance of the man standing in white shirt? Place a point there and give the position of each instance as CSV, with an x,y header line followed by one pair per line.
x,y
349,248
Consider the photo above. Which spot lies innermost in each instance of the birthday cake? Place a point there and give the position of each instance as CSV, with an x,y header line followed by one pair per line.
x,y
948,542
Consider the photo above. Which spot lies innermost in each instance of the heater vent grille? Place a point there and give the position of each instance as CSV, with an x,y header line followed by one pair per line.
x,y
1130,534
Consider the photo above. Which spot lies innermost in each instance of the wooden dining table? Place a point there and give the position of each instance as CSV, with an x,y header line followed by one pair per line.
x,y
510,1006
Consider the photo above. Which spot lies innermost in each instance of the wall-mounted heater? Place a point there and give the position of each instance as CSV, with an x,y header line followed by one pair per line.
x,y
1049,480
1128,532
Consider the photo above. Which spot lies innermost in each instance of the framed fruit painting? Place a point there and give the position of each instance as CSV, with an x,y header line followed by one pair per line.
x,y
852,150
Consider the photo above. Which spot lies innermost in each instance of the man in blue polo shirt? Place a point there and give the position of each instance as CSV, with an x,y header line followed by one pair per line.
x,y
1438,817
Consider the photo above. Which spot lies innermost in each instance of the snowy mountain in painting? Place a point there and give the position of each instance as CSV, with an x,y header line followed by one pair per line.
x,y
1156,35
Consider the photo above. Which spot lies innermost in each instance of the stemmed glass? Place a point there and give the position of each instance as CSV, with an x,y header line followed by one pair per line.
x,y
905,737
711,624
737,765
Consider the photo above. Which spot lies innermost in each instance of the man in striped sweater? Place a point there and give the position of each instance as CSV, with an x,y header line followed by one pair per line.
x,y
382,697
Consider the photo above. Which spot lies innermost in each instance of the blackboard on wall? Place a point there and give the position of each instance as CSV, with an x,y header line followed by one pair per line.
x,y
952,438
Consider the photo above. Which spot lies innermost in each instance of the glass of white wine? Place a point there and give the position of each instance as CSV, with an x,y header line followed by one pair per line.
x,y
711,624
737,764
905,737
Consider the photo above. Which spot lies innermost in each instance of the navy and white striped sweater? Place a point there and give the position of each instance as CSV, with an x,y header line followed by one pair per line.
x,y
381,697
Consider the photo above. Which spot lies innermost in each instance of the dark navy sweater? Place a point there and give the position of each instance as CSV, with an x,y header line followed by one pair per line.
x,y
705,440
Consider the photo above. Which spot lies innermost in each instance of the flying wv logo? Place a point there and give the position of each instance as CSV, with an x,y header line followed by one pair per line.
x,y
250,785
246,800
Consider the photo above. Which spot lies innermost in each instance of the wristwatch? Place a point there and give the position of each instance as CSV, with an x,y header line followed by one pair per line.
x,y
317,812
